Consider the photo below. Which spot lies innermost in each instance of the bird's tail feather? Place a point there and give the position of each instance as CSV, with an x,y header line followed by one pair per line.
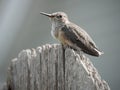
x,y
99,52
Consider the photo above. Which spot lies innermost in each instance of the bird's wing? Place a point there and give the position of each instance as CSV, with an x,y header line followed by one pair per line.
x,y
78,36
84,35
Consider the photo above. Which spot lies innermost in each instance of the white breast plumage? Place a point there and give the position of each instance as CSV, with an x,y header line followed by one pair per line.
x,y
55,30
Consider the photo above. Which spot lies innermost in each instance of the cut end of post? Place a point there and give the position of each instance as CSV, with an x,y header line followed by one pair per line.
x,y
44,67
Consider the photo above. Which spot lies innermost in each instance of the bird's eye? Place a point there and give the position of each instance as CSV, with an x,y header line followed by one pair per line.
x,y
59,16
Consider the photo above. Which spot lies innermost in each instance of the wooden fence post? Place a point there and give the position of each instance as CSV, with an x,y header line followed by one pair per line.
x,y
49,67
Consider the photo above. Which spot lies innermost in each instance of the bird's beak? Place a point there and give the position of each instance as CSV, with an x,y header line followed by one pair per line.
x,y
46,14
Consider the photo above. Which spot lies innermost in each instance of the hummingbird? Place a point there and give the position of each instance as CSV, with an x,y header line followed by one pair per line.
x,y
71,35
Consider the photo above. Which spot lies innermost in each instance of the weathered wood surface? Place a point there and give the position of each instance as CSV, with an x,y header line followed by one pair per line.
x,y
50,67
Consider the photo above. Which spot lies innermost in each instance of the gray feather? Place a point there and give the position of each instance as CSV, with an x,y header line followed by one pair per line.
x,y
80,37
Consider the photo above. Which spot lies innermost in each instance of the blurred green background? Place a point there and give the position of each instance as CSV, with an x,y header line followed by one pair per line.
x,y
22,27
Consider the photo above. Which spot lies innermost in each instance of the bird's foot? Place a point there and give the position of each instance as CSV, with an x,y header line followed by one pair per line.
x,y
65,46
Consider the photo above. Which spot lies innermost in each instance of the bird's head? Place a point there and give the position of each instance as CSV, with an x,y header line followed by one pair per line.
x,y
57,17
